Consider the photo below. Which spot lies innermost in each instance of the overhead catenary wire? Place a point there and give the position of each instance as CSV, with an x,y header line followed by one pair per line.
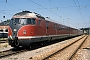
x,y
11,5
50,3
49,9
78,3
4,11
31,1
57,9
54,5
43,7
78,9
46,9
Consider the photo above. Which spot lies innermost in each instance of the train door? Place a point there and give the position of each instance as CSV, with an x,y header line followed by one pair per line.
x,y
47,27
55,28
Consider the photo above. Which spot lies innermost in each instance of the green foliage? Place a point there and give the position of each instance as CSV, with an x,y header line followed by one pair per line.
x,y
8,20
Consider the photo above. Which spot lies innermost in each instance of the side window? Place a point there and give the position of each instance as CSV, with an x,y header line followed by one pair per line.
x,y
55,26
39,22
59,27
28,21
47,24
63,27
33,21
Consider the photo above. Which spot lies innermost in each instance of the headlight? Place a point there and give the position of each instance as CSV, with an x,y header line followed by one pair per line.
x,y
15,29
24,31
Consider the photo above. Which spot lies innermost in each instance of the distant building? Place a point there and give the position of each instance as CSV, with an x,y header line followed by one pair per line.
x,y
86,30
5,22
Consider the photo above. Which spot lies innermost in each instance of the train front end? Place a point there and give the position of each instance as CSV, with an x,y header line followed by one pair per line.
x,y
21,28
12,33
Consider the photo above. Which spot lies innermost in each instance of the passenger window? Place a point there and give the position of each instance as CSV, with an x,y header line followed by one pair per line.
x,y
59,27
39,22
55,26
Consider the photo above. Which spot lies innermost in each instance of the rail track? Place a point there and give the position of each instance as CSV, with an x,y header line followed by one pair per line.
x,y
64,51
67,52
59,51
11,52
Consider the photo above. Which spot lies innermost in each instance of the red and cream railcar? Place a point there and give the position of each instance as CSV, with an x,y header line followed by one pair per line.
x,y
3,31
28,27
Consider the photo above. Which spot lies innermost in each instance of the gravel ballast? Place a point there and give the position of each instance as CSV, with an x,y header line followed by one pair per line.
x,y
40,53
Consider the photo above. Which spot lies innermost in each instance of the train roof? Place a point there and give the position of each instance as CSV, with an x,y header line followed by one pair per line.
x,y
34,15
23,13
28,13
3,27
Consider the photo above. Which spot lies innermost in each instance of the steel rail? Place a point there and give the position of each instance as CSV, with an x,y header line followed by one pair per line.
x,y
71,55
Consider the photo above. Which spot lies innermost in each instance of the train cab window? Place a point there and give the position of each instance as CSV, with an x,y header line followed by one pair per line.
x,y
31,21
23,20
17,21
28,21
39,22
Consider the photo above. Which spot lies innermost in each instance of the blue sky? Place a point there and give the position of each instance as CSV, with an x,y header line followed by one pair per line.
x,y
74,13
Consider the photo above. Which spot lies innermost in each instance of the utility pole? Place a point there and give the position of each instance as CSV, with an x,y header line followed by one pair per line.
x,y
68,27
89,27
6,1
